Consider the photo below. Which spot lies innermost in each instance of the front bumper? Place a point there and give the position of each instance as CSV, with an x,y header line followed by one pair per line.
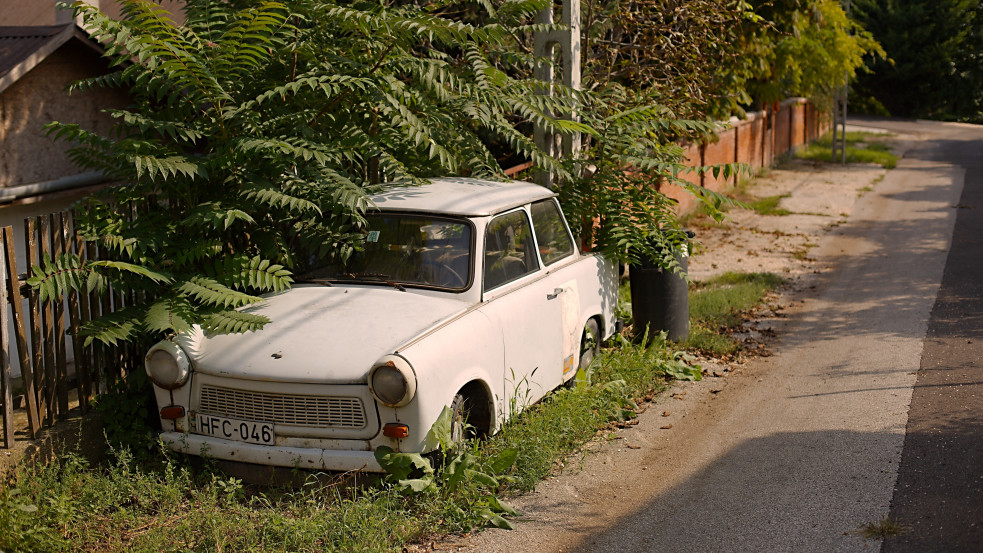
x,y
281,456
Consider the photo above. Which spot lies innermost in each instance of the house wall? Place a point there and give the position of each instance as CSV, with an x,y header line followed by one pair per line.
x,y
755,141
27,154
42,12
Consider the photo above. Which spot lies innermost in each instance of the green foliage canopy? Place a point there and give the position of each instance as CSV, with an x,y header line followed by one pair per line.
x,y
260,129
682,53
804,48
716,58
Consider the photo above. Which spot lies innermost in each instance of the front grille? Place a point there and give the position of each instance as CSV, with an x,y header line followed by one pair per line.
x,y
292,409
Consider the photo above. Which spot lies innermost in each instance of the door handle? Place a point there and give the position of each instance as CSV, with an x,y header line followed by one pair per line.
x,y
556,292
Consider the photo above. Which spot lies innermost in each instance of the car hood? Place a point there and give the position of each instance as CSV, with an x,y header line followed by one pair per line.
x,y
318,334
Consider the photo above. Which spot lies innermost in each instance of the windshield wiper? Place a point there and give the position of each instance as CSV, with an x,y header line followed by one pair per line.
x,y
379,276
315,280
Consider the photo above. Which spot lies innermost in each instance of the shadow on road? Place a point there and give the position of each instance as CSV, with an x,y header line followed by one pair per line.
x,y
770,494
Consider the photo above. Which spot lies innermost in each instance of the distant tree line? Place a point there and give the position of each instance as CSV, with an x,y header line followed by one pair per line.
x,y
934,63
717,58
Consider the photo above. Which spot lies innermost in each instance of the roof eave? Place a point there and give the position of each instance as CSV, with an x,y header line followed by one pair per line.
x,y
57,41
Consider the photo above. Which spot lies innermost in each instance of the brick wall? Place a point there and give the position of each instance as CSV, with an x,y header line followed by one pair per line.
x,y
755,141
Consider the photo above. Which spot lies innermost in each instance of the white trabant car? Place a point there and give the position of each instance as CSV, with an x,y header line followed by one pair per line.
x,y
469,294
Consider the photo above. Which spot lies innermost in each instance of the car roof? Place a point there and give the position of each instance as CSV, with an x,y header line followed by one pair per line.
x,y
461,196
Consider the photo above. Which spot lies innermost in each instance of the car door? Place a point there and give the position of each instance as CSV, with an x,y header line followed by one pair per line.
x,y
558,255
517,298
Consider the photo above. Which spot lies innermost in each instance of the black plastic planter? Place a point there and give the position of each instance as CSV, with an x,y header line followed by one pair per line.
x,y
660,300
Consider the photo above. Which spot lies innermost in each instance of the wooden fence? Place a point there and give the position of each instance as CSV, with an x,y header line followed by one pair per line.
x,y
51,386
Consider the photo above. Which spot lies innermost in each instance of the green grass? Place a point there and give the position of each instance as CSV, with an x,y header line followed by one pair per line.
x,y
71,506
854,137
721,303
861,147
769,205
168,504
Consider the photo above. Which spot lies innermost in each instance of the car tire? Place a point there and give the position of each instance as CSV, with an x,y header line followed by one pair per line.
x,y
590,343
459,418
459,430
590,346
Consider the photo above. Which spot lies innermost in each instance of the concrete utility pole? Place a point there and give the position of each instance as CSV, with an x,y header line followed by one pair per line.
x,y
839,111
548,46
839,124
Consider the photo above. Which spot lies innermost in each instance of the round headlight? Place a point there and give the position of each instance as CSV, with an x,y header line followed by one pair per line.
x,y
167,365
392,381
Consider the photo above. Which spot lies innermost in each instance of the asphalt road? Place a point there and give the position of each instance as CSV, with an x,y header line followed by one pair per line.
x,y
800,450
939,493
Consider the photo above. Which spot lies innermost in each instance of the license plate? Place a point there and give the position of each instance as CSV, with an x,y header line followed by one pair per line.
x,y
234,429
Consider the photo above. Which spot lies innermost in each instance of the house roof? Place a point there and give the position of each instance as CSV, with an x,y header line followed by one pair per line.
x,y
23,48
461,196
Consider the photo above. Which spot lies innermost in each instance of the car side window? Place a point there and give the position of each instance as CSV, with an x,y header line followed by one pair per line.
x,y
509,249
552,235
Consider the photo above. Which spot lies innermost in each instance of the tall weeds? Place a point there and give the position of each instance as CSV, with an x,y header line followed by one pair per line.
x,y
69,505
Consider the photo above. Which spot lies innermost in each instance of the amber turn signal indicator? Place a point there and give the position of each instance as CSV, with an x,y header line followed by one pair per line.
x,y
395,430
171,412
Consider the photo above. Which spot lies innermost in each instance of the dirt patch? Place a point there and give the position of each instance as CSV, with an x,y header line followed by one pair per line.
x,y
817,197
80,434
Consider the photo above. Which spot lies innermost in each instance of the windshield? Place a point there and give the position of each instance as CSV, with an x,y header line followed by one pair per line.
x,y
409,249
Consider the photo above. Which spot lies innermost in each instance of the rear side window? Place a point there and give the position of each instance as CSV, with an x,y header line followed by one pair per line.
x,y
554,239
509,249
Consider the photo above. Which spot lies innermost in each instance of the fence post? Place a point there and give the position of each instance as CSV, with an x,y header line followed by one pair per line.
x,y
95,349
20,335
703,163
34,240
6,382
73,246
61,361
791,125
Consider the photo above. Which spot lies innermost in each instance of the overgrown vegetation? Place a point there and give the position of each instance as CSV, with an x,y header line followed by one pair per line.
x,y
168,506
720,304
861,147
623,214
258,132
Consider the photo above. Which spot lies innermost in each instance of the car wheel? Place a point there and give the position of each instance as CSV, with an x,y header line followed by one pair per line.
x,y
590,343
459,431
459,418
